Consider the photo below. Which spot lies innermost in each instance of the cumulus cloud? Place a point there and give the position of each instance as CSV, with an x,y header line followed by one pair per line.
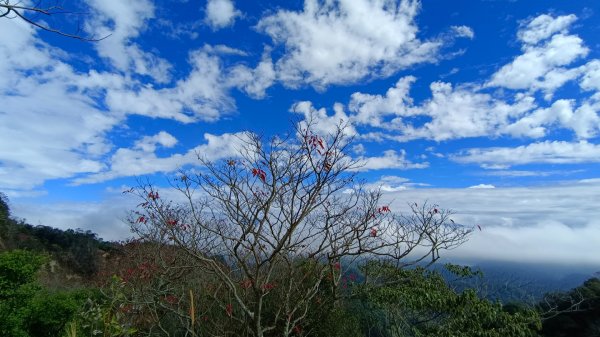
x,y
454,112
391,159
591,76
124,21
584,121
372,109
554,152
142,159
470,110
201,96
463,31
148,143
221,13
544,26
76,109
48,129
344,41
320,121
547,50
253,82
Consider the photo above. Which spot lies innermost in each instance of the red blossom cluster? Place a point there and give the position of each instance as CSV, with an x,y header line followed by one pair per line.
x,y
269,286
373,232
246,284
144,271
229,309
384,209
153,195
315,142
256,172
171,299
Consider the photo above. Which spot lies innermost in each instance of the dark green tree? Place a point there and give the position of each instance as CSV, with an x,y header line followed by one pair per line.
x,y
420,302
18,287
573,314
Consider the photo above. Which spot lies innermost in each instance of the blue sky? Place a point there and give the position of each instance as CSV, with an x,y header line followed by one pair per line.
x,y
491,108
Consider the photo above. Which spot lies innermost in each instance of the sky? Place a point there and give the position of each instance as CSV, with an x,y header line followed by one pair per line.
x,y
489,107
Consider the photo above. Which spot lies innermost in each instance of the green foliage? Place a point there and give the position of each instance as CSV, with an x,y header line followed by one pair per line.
x,y
17,289
26,309
575,313
49,312
103,315
419,302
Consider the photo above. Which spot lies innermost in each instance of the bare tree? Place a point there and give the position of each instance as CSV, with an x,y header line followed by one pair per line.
x,y
277,224
35,14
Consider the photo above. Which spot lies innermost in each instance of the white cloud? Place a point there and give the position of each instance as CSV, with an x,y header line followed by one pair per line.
x,y
221,13
124,21
542,64
591,76
140,160
148,143
482,186
391,184
551,224
544,26
253,82
454,112
371,109
554,152
48,128
75,110
463,31
320,121
344,41
106,217
202,95
471,110
584,121
390,159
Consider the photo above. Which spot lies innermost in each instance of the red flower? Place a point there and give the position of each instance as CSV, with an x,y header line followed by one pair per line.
x,y
336,266
142,219
297,329
384,209
435,210
246,284
153,195
172,222
260,174
171,299
229,309
373,232
269,286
